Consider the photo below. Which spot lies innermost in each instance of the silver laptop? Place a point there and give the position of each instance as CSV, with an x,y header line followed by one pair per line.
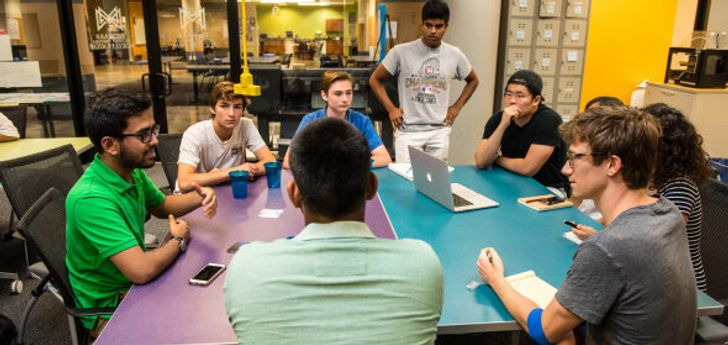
x,y
432,179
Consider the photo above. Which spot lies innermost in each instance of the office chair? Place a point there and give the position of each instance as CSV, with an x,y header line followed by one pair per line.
x,y
25,179
18,116
168,153
714,246
44,227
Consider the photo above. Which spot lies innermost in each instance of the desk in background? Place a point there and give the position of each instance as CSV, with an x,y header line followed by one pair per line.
x,y
224,65
24,147
170,311
42,102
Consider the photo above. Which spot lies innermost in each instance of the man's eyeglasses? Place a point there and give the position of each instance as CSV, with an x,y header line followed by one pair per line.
x,y
572,157
145,135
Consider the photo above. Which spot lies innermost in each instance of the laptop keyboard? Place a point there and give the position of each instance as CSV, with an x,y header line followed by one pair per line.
x,y
458,201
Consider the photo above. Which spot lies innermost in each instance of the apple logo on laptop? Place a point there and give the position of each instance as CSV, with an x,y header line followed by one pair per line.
x,y
429,178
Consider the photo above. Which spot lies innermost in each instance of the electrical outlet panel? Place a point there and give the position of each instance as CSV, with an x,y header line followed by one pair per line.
x,y
519,32
548,33
545,61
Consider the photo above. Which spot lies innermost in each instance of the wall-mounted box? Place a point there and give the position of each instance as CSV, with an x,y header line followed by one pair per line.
x,y
577,8
548,33
574,33
567,111
572,62
519,32
550,8
518,59
522,7
547,92
569,90
545,61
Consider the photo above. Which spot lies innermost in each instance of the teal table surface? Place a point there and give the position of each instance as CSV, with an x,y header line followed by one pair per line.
x,y
525,239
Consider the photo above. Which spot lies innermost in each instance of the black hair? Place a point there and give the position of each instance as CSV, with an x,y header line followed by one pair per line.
x,y
330,162
436,9
530,79
608,101
109,110
680,149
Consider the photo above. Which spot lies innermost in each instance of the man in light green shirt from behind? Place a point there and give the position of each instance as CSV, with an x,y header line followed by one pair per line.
x,y
334,283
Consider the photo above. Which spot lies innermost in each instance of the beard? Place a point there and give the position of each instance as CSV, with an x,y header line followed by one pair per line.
x,y
135,161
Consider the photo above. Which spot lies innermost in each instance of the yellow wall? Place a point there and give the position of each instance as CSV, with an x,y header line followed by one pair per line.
x,y
628,42
304,21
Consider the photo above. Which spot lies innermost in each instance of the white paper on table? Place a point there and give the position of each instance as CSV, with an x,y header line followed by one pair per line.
x,y
569,235
533,287
269,213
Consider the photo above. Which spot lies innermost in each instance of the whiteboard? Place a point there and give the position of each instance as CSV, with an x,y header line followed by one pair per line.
x,y
20,74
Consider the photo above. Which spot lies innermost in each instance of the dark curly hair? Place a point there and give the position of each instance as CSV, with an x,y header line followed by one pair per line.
x,y
680,149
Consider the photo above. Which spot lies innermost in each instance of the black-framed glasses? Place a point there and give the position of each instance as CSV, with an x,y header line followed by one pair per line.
x,y
572,157
145,135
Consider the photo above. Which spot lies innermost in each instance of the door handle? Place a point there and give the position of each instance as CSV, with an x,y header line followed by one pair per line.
x,y
144,85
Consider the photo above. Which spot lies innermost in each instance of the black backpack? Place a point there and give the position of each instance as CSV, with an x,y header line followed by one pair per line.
x,y
7,331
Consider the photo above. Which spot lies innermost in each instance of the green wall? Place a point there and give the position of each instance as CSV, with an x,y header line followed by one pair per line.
x,y
304,21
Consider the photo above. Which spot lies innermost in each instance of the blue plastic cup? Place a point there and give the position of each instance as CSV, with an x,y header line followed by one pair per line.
x,y
239,182
273,174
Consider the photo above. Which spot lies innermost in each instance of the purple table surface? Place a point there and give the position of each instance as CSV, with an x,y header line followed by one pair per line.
x,y
170,311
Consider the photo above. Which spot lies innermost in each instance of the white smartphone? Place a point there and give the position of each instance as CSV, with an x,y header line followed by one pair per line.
x,y
207,274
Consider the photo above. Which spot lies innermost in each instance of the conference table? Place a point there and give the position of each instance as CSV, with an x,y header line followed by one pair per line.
x,y
169,310
28,146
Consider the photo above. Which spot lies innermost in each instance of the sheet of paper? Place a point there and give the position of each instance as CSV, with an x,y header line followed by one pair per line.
x,y
269,213
520,35
569,235
574,36
522,3
546,62
547,34
533,287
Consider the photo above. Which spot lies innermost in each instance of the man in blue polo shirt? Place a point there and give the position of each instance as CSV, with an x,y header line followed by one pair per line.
x,y
337,89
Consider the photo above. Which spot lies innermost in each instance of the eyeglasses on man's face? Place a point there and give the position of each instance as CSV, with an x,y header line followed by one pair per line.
x,y
572,157
145,135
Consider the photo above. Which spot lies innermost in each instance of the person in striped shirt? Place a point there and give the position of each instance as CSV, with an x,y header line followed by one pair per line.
x,y
681,167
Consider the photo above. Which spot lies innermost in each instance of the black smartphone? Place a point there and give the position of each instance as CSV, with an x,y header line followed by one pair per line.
x,y
570,223
207,274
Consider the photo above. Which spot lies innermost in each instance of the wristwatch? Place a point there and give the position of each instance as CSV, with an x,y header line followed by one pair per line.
x,y
182,242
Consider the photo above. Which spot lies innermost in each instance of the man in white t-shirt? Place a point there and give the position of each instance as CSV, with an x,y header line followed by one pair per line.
x,y
424,68
211,149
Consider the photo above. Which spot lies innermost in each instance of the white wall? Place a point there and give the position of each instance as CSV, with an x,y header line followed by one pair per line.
x,y
718,18
474,29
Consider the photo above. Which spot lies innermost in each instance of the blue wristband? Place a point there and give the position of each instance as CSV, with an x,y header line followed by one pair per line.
x,y
534,327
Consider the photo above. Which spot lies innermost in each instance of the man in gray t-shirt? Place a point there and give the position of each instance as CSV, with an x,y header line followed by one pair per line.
x,y
633,282
424,68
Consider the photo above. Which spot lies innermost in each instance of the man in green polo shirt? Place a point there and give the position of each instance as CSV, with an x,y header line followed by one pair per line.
x,y
107,207
335,282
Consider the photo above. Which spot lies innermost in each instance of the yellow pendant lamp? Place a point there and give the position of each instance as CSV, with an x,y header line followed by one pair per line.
x,y
246,86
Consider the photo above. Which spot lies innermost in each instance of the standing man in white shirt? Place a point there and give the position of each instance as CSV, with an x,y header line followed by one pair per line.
x,y
424,68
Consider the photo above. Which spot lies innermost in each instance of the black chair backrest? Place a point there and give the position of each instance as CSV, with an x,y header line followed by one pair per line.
x,y
18,116
25,179
168,153
714,243
44,227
